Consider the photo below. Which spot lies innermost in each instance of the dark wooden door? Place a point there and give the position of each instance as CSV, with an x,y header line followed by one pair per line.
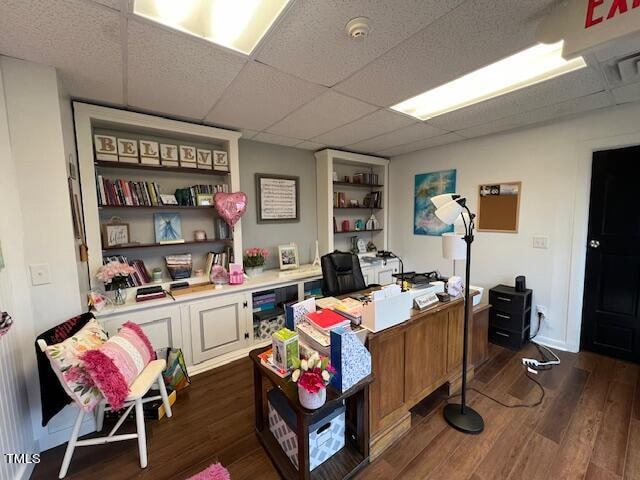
x,y
611,312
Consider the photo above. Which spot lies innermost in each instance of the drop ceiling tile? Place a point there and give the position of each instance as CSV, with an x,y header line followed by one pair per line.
x,y
81,39
472,36
328,111
544,114
311,42
276,139
628,93
174,73
422,144
371,125
572,85
248,134
260,96
115,4
412,133
618,48
306,145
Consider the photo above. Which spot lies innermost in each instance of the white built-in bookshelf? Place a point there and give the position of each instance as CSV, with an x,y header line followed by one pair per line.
x,y
91,120
367,175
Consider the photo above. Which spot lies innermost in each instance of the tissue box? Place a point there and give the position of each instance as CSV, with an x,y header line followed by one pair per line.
x,y
326,435
285,348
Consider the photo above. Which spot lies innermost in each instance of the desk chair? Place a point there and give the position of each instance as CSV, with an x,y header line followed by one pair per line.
x,y
150,376
341,274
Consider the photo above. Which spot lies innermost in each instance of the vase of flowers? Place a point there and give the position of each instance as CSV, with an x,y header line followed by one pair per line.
x,y
254,259
114,276
312,376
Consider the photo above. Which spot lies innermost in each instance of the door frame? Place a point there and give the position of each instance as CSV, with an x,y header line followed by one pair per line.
x,y
577,263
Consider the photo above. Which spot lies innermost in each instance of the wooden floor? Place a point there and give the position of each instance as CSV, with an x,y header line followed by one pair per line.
x,y
588,427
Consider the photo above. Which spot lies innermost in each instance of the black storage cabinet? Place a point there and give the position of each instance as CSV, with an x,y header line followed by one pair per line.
x,y
510,316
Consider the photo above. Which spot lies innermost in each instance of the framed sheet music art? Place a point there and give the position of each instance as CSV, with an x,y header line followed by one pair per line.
x,y
278,198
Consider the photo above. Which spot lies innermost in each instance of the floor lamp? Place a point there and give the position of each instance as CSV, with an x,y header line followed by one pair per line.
x,y
449,209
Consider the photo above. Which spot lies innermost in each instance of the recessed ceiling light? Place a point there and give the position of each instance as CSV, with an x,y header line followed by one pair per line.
x,y
235,24
536,64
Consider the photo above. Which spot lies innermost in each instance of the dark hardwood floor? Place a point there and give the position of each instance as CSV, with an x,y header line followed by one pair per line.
x,y
587,427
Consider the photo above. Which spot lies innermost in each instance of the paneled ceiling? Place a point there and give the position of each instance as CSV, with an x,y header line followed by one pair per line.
x,y
308,84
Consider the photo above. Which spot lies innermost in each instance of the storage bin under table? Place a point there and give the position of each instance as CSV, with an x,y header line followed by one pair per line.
x,y
326,434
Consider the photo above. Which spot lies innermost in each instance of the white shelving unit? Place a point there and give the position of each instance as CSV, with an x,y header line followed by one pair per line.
x,y
90,119
344,164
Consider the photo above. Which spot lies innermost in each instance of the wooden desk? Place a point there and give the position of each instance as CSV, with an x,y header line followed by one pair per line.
x,y
413,359
346,462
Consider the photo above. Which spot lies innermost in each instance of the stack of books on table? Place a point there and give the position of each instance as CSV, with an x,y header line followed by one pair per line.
x,y
150,293
266,359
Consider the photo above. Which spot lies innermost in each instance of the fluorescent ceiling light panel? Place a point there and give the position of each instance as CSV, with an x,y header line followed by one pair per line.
x,y
235,24
534,65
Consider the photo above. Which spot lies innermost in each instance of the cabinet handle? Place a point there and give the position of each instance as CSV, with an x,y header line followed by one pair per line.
x,y
503,316
504,299
503,334
246,336
245,304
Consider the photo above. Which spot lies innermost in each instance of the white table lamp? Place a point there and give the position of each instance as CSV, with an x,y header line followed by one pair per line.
x,y
454,248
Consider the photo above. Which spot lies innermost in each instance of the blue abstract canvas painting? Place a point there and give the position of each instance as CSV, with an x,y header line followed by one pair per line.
x,y
429,185
168,227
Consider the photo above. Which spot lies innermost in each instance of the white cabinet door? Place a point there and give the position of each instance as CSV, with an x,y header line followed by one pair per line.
x,y
385,272
218,326
369,275
160,324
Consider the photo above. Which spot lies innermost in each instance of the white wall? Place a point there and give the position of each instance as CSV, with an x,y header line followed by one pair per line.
x,y
257,157
554,164
16,433
37,134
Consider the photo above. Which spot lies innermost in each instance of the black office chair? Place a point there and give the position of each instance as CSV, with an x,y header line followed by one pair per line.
x,y
341,274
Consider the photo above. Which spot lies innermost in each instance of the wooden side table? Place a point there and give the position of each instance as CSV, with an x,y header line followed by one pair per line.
x,y
347,461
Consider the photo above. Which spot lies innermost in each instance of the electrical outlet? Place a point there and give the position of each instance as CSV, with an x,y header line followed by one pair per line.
x,y
542,310
540,242
40,274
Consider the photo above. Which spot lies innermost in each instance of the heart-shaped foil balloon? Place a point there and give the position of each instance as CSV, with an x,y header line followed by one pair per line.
x,y
231,206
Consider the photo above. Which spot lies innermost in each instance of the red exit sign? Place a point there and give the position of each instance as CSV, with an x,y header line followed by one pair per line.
x,y
599,11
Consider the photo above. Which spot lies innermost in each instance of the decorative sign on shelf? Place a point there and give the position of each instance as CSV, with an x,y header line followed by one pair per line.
x,y
498,207
278,198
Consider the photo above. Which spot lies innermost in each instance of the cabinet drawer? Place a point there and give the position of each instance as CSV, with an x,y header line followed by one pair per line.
x,y
506,320
508,339
507,303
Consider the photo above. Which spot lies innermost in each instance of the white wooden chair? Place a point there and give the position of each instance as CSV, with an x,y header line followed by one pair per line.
x,y
150,376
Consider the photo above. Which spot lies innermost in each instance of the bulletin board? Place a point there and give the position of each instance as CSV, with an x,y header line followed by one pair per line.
x,y
498,207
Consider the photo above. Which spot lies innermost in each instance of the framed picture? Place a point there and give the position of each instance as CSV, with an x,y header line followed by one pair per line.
x,y
499,207
168,228
278,198
205,199
115,233
429,185
288,256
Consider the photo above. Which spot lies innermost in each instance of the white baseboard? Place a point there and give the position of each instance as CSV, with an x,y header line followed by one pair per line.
x,y
224,359
553,343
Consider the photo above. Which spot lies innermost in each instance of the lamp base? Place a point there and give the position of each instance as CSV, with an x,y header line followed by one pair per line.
x,y
468,422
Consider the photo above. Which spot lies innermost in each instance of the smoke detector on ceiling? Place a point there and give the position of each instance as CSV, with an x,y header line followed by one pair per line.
x,y
358,28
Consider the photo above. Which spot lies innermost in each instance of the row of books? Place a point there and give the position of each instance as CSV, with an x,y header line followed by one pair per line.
x,y
189,195
179,266
217,258
118,192
367,178
264,302
372,200
138,278
339,200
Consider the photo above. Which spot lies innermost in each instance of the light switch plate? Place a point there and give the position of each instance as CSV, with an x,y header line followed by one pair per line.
x,y
40,274
540,242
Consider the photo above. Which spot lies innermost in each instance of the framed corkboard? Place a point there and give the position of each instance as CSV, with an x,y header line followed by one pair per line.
x,y
499,207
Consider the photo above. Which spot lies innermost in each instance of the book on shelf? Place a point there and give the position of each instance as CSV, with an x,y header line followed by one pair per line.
x,y
366,178
266,359
189,196
325,320
217,258
372,200
138,278
118,193
150,293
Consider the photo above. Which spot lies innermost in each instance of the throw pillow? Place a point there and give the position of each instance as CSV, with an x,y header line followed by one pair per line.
x,y
117,363
66,362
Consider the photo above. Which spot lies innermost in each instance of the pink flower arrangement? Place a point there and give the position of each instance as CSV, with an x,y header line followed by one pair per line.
x,y
313,374
115,272
255,257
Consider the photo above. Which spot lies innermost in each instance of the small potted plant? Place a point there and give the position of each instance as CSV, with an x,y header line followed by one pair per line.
x,y
116,274
254,259
312,376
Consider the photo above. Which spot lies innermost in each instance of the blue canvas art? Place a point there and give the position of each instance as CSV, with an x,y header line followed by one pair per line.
x,y
168,227
429,185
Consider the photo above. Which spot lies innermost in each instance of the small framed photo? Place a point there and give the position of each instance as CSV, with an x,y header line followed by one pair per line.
x,y
168,199
204,199
114,234
288,256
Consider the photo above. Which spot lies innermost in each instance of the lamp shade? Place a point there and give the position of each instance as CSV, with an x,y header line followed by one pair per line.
x,y
440,200
453,246
449,212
